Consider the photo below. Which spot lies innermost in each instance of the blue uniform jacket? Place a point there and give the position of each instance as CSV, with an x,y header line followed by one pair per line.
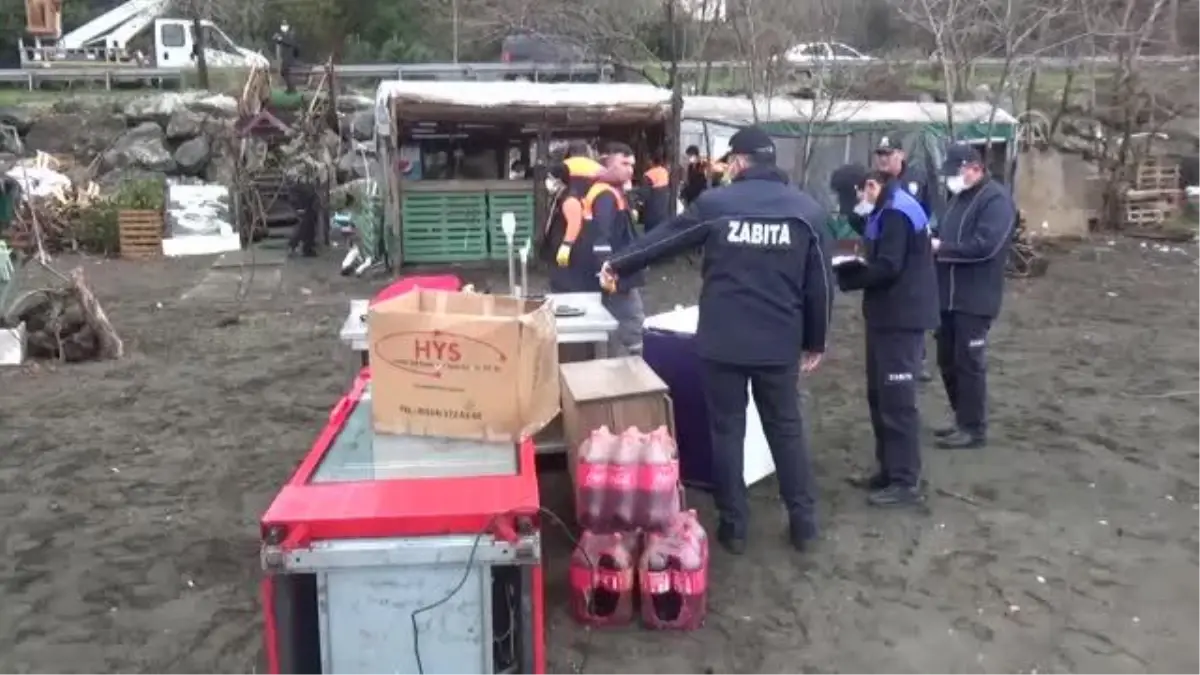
x,y
898,280
975,234
766,291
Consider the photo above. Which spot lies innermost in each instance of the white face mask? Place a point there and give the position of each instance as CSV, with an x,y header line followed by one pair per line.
x,y
956,184
552,185
864,208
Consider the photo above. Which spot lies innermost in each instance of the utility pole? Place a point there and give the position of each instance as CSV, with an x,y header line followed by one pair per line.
x,y
454,26
198,47
676,104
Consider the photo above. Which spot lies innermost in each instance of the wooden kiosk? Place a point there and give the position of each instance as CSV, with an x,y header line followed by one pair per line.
x,y
449,149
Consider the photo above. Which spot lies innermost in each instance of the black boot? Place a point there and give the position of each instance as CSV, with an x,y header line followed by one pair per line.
x,y
896,496
948,429
874,482
802,537
961,440
729,540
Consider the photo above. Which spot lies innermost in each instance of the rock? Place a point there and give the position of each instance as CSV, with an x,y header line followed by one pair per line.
x,y
83,136
20,119
156,108
362,125
193,155
159,108
185,124
216,105
10,139
220,169
144,147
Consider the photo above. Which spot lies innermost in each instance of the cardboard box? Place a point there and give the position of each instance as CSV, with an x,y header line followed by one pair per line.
x,y
618,393
462,365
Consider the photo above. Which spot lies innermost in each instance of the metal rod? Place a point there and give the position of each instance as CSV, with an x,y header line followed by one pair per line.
x,y
525,269
512,268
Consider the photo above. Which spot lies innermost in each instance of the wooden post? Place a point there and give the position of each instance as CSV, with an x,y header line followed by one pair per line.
x,y
541,200
198,46
396,180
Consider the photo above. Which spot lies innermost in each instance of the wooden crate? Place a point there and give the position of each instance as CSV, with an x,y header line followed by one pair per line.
x,y
141,233
618,393
444,227
1144,214
1157,174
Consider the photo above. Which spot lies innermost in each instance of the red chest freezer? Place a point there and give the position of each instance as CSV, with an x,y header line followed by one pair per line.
x,y
400,554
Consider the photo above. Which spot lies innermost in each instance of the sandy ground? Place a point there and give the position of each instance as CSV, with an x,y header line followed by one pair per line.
x,y
130,491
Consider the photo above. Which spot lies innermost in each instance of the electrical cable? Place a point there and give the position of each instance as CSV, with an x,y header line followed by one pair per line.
x,y
466,575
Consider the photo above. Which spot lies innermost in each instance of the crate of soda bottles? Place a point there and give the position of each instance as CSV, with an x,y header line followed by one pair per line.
x,y
626,481
661,575
638,547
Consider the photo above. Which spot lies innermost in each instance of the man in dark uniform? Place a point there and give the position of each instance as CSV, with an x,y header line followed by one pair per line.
x,y
289,55
307,203
891,159
970,250
608,223
568,183
764,315
696,178
846,183
655,194
899,288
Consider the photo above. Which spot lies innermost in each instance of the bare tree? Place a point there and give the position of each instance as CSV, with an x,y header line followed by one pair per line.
x,y
1012,32
1139,98
819,89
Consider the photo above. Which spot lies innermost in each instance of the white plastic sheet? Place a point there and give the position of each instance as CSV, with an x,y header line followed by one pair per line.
x,y
198,221
38,181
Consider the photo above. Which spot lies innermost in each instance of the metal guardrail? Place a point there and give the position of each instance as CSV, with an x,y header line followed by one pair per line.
x,y
109,75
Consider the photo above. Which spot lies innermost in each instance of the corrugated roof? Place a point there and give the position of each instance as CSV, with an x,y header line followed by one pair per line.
x,y
482,95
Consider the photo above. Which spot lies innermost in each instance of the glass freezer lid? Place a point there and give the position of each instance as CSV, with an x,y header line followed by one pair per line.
x,y
357,453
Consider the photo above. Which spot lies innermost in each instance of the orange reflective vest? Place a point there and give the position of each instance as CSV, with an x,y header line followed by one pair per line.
x,y
594,193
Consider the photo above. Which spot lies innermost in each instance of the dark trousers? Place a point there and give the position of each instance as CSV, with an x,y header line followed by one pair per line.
x,y
304,235
778,401
962,360
893,369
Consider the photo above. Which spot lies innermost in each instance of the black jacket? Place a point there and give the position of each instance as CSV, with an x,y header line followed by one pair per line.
x,y
975,235
898,280
767,292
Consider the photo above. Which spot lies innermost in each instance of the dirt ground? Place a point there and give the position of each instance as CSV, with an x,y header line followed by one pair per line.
x,y
130,491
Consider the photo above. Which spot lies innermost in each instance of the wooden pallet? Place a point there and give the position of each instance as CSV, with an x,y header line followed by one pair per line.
x,y
1141,214
1157,175
141,234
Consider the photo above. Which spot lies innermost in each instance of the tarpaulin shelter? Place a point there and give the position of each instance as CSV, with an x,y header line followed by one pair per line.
x,y
813,138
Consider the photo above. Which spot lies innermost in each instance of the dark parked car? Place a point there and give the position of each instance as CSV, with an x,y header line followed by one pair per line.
x,y
550,50
540,48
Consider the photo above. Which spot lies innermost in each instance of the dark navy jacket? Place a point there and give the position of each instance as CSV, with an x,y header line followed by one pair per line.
x,y
608,229
898,281
767,292
975,235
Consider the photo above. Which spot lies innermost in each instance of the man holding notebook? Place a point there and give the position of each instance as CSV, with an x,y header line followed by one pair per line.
x,y
900,304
